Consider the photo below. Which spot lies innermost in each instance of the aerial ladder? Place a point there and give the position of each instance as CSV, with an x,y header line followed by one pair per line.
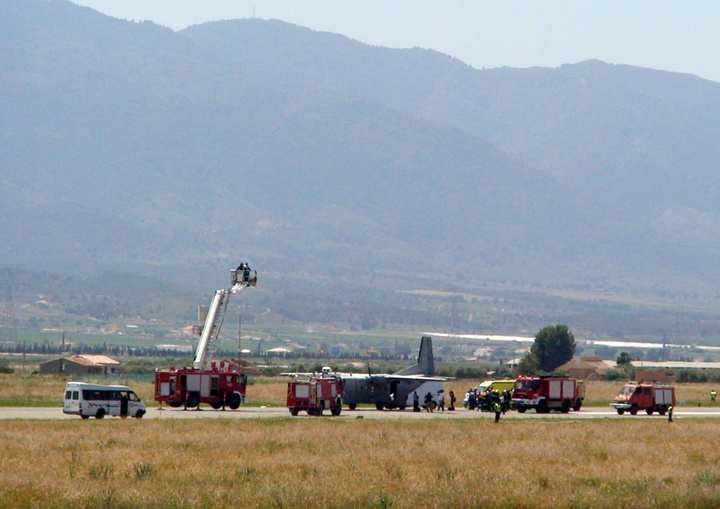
x,y
241,278
218,384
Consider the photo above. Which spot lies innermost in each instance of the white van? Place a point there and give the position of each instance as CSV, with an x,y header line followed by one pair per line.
x,y
95,400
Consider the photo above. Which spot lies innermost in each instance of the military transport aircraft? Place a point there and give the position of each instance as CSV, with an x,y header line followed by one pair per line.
x,y
394,390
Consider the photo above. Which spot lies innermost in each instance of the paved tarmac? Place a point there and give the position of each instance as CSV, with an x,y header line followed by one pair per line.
x,y
30,413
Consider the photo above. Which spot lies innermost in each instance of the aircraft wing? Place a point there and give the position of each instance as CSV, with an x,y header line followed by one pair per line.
x,y
418,378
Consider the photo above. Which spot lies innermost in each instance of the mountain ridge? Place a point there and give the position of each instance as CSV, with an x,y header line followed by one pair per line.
x,y
302,149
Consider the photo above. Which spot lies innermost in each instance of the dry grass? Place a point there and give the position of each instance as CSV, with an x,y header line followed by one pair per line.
x,y
311,462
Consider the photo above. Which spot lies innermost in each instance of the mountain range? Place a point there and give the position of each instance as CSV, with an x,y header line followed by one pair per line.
x,y
133,147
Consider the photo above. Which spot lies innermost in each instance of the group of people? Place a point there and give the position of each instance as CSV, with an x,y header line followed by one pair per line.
x,y
431,403
491,401
486,401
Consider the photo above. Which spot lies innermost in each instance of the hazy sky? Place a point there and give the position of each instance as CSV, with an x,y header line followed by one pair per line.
x,y
660,34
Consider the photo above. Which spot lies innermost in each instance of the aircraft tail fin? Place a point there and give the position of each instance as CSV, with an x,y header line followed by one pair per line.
x,y
425,364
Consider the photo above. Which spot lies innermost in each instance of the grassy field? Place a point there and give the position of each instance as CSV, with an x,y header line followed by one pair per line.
x,y
321,463
19,390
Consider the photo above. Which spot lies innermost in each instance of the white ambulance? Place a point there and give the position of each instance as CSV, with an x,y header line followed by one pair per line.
x,y
93,400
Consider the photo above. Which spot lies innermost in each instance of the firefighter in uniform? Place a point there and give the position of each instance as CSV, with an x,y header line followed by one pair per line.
x,y
498,409
670,412
713,395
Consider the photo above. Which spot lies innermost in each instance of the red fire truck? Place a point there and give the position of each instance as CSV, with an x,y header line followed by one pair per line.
x,y
651,397
221,384
217,384
545,393
315,394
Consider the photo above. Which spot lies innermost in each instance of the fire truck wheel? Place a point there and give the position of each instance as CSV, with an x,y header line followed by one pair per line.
x,y
649,411
100,413
311,411
352,406
662,410
337,408
193,400
633,410
294,412
565,406
233,401
542,407
620,411
578,405
175,404
521,409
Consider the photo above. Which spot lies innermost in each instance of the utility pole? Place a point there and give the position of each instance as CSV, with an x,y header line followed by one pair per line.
x,y
8,321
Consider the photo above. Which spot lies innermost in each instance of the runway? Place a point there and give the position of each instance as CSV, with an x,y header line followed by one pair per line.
x,y
37,413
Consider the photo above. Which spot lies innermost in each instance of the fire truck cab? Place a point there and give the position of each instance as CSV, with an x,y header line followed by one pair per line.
x,y
651,397
545,393
315,394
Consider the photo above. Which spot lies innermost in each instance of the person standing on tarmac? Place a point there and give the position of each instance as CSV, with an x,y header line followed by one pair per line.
x,y
416,402
452,401
713,395
429,403
497,407
670,412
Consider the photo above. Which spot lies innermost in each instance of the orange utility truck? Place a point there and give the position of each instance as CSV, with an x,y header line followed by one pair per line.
x,y
651,397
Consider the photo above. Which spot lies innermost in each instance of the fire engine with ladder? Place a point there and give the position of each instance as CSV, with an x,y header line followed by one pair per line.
x,y
218,384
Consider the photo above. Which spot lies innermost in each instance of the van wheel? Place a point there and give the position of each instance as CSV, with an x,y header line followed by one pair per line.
x,y
100,413
633,409
352,406
84,416
379,405
139,414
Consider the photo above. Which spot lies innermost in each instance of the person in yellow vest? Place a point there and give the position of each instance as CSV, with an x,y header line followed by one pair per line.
x,y
670,412
713,395
497,408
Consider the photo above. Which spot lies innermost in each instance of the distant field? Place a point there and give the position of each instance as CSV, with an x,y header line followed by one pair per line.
x,y
19,390
321,463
